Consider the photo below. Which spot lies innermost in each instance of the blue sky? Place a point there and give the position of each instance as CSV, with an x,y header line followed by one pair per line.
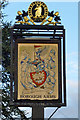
x,y
69,18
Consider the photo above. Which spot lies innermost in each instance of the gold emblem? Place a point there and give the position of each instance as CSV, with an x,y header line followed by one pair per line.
x,y
38,11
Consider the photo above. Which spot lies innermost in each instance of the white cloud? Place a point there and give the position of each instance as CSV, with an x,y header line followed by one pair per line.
x,y
72,83
72,63
72,54
72,67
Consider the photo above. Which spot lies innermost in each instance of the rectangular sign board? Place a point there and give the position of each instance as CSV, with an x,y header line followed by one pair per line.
x,y
38,70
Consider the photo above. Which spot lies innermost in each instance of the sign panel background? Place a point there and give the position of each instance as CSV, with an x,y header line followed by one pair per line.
x,y
38,71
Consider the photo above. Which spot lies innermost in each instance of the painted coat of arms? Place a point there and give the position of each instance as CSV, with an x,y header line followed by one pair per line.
x,y
37,71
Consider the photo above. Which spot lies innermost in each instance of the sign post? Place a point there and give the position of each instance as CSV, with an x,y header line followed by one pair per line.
x,y
38,113
38,56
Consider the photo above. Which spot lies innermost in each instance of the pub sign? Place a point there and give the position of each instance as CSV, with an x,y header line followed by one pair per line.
x,y
39,62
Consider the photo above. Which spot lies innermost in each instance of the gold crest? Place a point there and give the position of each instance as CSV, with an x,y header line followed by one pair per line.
x,y
38,11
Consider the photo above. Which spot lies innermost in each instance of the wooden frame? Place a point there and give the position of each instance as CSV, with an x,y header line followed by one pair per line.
x,y
41,42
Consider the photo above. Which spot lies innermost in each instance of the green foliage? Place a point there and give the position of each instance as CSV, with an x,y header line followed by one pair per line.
x,y
6,46
8,112
6,53
3,4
